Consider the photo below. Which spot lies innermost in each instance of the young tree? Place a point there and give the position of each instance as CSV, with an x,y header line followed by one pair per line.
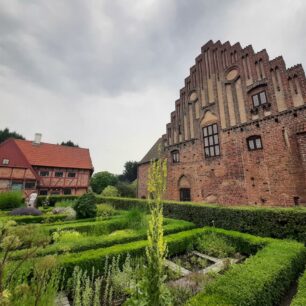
x,y
6,134
100,180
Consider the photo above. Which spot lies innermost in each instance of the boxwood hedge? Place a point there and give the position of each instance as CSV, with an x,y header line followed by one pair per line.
x,y
34,219
262,279
300,297
95,242
272,222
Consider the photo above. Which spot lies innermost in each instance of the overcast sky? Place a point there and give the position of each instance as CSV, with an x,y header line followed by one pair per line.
x,y
106,73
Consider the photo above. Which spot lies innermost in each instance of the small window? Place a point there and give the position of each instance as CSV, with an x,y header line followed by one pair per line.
x,y
254,143
29,185
59,174
55,192
211,140
43,192
175,156
259,99
44,173
71,174
67,191
17,185
5,161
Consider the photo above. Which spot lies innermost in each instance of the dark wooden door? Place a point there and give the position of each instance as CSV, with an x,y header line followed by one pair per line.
x,y
185,194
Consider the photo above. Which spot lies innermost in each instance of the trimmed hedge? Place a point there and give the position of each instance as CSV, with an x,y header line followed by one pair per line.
x,y
87,260
267,222
34,219
95,242
262,279
99,227
300,297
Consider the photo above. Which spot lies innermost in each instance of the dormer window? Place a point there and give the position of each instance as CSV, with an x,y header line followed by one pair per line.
x,y
175,156
254,143
259,99
5,161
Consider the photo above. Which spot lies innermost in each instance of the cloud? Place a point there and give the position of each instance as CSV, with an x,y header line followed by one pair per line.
x,y
106,73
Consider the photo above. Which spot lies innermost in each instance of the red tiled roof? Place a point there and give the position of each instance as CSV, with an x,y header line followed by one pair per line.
x,y
51,155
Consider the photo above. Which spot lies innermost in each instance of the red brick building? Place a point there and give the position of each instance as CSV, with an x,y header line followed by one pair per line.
x,y
238,131
34,166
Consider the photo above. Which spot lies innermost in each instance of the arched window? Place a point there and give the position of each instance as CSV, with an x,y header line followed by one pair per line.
x,y
175,156
254,142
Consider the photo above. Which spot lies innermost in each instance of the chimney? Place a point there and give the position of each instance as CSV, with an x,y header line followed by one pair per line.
x,y
37,139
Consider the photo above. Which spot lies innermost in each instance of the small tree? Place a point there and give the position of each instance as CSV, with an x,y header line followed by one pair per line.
x,y
100,180
110,191
130,171
85,206
127,190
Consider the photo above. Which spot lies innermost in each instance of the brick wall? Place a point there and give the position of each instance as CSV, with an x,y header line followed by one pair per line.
x,y
220,89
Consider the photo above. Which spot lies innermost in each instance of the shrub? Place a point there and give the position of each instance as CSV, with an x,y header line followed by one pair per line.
x,y
136,218
300,297
68,211
126,189
85,206
214,245
110,191
26,211
53,199
105,210
10,199
65,203
273,222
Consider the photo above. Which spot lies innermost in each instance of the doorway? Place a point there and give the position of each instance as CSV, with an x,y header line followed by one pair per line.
x,y
185,195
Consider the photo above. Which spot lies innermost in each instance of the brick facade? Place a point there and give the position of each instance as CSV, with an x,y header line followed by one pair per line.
x,y
222,89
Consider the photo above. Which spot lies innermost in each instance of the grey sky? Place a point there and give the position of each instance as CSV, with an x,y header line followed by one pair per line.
x,y
106,73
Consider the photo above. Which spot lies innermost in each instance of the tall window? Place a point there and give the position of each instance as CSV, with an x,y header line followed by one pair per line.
x,y
211,140
259,99
175,156
254,143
